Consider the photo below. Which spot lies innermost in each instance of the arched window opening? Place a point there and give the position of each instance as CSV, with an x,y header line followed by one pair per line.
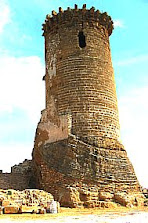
x,y
82,41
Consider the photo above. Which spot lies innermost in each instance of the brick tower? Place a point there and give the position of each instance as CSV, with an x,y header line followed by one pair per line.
x,y
77,153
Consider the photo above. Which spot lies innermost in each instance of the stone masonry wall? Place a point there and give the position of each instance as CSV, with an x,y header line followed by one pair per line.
x,y
20,178
71,169
77,152
80,81
16,181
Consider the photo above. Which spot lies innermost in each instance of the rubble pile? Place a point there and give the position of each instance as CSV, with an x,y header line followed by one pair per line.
x,y
28,200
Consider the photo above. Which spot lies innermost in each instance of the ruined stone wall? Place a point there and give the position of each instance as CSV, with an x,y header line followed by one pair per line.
x,y
16,181
80,81
20,178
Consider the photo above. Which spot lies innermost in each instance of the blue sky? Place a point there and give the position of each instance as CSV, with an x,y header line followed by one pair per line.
x,y
22,90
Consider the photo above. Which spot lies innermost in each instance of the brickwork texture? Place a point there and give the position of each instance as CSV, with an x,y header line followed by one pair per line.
x,y
77,152
20,178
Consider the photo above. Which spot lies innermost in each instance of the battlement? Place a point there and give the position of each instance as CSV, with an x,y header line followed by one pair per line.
x,y
83,16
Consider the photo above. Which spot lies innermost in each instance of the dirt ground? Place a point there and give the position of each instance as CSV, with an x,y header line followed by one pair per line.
x,y
69,215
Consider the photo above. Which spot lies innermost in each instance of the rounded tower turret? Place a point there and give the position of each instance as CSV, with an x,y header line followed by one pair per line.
x,y
77,152
79,73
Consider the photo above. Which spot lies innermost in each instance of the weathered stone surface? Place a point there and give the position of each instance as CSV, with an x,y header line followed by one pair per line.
x,y
78,155
20,178
76,172
29,200
11,209
1,210
6,202
145,192
122,199
146,202
129,200
69,197
105,196
24,167
107,204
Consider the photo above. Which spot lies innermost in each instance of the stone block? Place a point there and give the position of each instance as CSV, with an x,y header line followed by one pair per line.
x,y
104,204
105,196
129,200
1,210
5,203
122,199
11,209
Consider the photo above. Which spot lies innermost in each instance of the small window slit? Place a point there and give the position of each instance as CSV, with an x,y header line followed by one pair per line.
x,y
82,40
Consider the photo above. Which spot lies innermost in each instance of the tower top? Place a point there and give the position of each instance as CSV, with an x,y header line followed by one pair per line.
x,y
75,16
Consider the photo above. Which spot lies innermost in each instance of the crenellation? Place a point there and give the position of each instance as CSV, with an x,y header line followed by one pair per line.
x,y
68,8
83,17
76,7
60,10
84,6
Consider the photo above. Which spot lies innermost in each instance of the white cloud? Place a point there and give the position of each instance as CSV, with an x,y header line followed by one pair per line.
x,y
133,111
21,93
4,14
132,60
21,85
118,23
14,154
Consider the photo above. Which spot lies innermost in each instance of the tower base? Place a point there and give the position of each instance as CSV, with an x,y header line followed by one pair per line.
x,y
79,174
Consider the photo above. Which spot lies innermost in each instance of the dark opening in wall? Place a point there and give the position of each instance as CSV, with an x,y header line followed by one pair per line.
x,y
82,41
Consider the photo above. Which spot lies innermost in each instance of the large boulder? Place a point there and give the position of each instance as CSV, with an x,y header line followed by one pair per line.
x,y
69,197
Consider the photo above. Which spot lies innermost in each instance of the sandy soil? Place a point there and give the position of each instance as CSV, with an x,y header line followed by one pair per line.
x,y
68,215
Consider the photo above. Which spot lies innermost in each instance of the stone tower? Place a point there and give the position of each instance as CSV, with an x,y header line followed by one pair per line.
x,y
77,152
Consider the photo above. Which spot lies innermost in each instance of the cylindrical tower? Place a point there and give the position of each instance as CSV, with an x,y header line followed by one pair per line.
x,y
79,74
77,154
